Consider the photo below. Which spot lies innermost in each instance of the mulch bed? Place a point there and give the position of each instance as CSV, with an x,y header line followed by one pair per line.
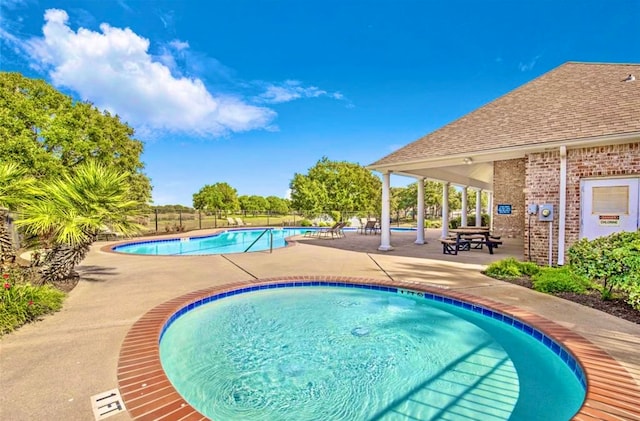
x,y
615,307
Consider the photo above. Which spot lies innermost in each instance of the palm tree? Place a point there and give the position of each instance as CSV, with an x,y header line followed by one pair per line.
x,y
14,185
69,214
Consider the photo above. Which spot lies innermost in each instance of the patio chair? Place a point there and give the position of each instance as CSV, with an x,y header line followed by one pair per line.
x,y
336,231
371,227
240,222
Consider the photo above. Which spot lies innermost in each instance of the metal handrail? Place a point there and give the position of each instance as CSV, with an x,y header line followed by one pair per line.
x,y
270,230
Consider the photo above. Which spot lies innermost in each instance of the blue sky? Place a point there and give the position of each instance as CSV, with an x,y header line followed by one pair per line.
x,y
251,92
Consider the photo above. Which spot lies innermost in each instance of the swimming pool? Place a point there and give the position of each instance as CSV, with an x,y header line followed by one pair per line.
x,y
330,350
229,241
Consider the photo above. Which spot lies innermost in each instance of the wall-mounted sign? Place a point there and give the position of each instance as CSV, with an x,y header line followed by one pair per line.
x,y
504,209
609,220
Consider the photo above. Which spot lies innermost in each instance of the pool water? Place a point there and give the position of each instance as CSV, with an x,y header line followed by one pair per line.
x,y
232,241
326,353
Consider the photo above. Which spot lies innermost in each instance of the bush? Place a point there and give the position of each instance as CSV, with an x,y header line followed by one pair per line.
x,y
612,261
433,223
508,268
305,223
511,268
552,280
633,297
23,303
529,268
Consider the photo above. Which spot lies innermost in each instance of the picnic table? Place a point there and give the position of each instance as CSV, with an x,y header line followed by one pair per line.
x,y
466,238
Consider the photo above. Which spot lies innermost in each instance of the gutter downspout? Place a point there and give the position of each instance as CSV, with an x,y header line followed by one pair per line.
x,y
562,206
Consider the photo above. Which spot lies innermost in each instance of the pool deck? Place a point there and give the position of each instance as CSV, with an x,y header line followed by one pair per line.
x,y
50,369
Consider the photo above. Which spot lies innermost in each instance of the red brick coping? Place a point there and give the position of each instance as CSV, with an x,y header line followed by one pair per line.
x,y
611,394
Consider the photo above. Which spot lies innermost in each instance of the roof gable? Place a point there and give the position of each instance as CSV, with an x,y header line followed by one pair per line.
x,y
573,101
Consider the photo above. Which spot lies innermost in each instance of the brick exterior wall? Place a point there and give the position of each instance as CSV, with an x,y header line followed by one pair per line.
x,y
508,188
542,176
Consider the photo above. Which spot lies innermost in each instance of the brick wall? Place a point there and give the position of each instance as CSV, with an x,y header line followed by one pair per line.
x,y
508,188
543,186
543,180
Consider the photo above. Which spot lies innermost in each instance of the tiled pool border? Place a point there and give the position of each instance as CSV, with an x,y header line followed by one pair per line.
x,y
611,393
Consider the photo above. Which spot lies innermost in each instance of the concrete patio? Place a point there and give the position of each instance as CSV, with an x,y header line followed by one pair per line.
x,y
50,369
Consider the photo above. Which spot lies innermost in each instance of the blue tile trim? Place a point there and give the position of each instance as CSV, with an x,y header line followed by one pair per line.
x,y
555,347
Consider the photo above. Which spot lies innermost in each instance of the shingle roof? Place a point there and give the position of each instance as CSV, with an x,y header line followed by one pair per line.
x,y
573,101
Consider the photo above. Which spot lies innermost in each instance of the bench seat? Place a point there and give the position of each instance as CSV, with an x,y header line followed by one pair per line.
x,y
449,245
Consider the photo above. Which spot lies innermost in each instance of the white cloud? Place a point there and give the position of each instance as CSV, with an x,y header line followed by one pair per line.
x,y
114,70
525,67
291,90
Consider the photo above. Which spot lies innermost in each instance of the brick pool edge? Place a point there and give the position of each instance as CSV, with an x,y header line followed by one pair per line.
x,y
611,392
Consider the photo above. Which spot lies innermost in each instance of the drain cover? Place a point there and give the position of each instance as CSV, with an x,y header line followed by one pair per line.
x,y
106,404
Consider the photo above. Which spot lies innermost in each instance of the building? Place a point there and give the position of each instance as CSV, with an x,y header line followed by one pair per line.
x,y
568,142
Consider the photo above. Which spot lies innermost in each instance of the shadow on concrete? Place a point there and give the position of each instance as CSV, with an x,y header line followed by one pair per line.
x,y
96,273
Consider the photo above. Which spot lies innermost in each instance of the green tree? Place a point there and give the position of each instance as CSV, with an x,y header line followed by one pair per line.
x,y
408,197
69,213
49,134
336,186
278,205
218,196
14,187
253,204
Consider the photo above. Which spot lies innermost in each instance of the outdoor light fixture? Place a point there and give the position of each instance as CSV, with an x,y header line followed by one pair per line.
x,y
468,161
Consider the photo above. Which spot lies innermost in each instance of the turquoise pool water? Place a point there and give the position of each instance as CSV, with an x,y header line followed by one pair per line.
x,y
327,353
231,241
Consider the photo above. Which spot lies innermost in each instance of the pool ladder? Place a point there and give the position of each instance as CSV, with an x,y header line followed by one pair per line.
x,y
270,230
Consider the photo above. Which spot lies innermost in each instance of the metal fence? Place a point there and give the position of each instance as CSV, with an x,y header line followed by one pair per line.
x,y
166,222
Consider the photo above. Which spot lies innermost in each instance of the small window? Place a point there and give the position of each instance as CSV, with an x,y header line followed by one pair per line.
x,y
613,199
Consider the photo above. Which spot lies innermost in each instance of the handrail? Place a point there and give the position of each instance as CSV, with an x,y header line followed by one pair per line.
x,y
259,237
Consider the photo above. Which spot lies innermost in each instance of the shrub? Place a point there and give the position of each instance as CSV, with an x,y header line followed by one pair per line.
x,y
23,303
633,296
305,223
508,268
552,280
612,261
511,268
529,268
433,223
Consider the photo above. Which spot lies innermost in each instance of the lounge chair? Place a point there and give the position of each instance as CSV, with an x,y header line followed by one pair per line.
x,y
370,227
335,231
231,222
240,222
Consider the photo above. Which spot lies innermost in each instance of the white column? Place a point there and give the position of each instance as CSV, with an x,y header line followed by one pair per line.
x,y
562,206
445,209
385,228
479,208
463,221
420,227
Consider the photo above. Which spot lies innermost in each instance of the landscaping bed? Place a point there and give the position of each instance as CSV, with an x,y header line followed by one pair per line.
x,y
616,306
